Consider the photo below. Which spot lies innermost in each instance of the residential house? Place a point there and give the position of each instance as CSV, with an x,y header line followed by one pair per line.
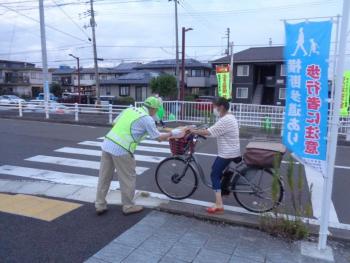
x,y
198,79
68,77
64,76
134,84
259,75
21,78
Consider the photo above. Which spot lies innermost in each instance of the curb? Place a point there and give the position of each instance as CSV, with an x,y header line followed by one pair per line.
x,y
237,219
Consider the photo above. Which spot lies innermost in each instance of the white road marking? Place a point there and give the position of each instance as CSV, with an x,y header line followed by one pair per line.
x,y
144,148
74,162
138,157
52,176
91,143
315,180
342,167
139,148
146,142
155,142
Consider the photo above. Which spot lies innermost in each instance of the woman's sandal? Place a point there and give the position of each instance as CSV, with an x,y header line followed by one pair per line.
x,y
215,210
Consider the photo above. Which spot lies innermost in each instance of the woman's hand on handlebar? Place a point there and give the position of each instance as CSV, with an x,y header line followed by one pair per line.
x,y
200,132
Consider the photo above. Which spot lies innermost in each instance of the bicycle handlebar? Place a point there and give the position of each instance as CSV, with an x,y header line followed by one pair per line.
x,y
201,136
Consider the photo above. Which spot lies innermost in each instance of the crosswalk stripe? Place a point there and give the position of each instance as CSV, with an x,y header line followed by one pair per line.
x,y
53,176
146,142
139,148
74,162
154,142
138,157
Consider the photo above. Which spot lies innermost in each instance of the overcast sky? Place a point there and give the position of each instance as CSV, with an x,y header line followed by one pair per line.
x,y
143,30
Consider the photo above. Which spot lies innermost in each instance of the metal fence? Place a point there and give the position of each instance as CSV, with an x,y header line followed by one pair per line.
x,y
248,115
72,111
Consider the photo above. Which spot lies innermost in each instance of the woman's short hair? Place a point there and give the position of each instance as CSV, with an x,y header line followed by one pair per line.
x,y
221,101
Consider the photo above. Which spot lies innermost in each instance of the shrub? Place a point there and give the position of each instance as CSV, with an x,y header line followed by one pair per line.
x,y
289,227
124,101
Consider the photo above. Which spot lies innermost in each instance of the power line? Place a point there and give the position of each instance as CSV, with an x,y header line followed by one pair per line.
x,y
71,19
48,26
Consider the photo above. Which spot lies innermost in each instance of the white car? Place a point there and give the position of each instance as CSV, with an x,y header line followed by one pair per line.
x,y
11,99
39,106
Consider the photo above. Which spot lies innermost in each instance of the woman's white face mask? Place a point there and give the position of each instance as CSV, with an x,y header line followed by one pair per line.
x,y
216,112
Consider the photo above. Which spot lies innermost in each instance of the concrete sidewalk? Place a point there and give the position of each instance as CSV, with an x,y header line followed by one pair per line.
x,y
167,238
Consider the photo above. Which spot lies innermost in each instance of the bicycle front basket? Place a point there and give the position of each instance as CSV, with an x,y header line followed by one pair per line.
x,y
179,146
264,154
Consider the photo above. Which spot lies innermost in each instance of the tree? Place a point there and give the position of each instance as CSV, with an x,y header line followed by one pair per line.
x,y
56,89
165,86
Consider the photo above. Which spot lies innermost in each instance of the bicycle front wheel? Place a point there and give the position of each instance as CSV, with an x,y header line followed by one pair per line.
x,y
257,190
176,178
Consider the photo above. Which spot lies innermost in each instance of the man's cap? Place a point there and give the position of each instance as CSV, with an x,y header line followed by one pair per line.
x,y
152,102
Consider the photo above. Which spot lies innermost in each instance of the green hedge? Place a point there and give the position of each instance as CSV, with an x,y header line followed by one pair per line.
x,y
124,101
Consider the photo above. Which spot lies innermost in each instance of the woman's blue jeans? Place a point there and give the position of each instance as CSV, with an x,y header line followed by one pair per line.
x,y
217,169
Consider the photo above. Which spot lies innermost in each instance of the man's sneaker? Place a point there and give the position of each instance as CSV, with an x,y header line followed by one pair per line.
x,y
101,211
127,210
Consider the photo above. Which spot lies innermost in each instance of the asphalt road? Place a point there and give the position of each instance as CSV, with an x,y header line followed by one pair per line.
x,y
21,139
73,237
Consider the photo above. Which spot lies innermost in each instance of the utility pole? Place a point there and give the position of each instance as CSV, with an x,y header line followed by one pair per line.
x,y
177,70
183,64
228,41
78,65
44,56
93,25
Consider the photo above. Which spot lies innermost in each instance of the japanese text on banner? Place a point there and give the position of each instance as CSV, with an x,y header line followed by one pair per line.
x,y
223,77
306,114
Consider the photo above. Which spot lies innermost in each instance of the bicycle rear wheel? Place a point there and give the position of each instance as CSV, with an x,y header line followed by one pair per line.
x,y
253,190
176,178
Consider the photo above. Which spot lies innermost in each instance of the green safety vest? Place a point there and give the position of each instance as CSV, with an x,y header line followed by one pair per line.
x,y
121,131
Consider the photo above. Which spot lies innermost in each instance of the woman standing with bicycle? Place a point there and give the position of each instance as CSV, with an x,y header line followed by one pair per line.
x,y
226,131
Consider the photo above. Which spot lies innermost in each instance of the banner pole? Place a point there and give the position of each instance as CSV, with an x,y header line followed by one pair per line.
x,y
231,71
333,132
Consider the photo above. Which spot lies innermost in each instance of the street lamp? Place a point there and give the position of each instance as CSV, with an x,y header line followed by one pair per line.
x,y
182,93
78,65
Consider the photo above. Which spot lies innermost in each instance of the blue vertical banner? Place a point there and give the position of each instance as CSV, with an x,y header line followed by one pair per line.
x,y
306,114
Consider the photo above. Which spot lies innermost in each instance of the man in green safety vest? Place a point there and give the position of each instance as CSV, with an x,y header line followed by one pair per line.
x,y
118,148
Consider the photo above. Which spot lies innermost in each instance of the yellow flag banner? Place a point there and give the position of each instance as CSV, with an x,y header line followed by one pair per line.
x,y
344,111
223,77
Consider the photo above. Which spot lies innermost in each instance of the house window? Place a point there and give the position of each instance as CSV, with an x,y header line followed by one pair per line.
x,y
242,93
283,70
124,91
197,73
108,90
282,94
195,91
33,75
92,76
243,70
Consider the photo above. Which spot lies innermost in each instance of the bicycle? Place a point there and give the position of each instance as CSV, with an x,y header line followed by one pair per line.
x,y
180,174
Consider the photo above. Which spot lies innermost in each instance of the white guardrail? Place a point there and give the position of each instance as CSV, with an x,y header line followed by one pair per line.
x,y
74,109
248,115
